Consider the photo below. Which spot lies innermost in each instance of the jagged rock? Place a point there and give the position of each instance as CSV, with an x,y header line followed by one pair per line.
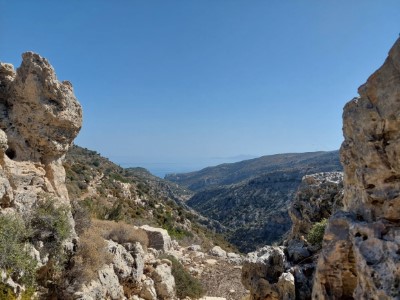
x,y
261,272
3,143
105,287
218,251
317,197
148,291
40,117
125,265
360,254
44,112
158,238
234,258
194,248
164,282
286,287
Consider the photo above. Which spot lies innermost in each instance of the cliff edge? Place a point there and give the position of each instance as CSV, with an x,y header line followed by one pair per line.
x,y
360,257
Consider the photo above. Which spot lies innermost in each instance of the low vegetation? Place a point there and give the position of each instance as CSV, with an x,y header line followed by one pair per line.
x,y
316,233
14,255
186,285
121,232
90,257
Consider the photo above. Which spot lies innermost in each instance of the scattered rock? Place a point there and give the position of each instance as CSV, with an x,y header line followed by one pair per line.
x,y
148,291
158,238
164,282
194,248
218,251
261,272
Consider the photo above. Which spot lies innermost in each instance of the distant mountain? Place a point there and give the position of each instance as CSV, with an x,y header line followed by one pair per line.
x,y
309,162
251,198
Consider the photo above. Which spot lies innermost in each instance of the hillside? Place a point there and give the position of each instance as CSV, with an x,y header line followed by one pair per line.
x,y
134,195
309,162
254,208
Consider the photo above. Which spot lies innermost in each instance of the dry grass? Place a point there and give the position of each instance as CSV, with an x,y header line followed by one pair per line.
x,y
92,254
121,232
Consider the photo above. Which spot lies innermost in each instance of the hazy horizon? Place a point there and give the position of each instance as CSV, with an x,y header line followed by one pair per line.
x,y
186,81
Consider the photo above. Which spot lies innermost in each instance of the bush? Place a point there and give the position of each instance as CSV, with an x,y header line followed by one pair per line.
x,y
81,216
14,257
91,255
50,224
186,285
121,232
316,234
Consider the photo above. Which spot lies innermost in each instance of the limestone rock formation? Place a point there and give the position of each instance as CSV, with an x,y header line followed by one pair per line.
x,y
361,251
158,238
264,274
294,263
40,117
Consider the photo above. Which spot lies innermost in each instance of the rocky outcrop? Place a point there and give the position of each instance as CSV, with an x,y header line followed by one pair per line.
x,y
286,272
158,238
317,197
361,250
40,117
264,275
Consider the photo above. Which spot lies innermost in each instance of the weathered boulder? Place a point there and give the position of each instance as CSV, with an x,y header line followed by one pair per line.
x,y
360,255
164,282
105,287
261,272
125,265
158,238
148,290
218,251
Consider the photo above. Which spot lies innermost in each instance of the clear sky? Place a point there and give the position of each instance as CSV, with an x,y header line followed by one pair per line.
x,y
189,83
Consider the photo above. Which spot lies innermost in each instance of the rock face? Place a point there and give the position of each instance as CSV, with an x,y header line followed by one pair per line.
x,y
39,118
361,250
263,273
293,264
158,238
317,197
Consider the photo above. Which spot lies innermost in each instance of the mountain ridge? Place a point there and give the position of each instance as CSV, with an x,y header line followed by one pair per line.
x,y
229,173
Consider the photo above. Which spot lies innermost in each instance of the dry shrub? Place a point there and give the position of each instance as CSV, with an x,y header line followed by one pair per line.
x,y
92,254
121,232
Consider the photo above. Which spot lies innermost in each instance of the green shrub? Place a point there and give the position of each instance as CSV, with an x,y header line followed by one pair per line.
x,y
316,233
14,257
50,224
186,285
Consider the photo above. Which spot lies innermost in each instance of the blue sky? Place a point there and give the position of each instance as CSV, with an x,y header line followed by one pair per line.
x,y
193,83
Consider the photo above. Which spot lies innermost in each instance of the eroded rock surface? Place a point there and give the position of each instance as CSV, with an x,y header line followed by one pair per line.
x,y
361,251
39,119
293,264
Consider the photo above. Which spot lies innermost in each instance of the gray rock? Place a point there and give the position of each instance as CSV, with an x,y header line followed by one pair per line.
x,y
218,251
164,282
158,238
261,272
148,290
